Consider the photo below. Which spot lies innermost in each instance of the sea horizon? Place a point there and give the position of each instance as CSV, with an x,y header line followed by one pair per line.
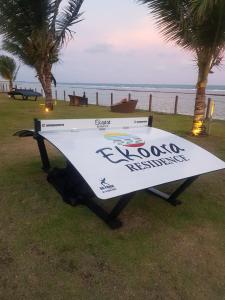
x,y
131,86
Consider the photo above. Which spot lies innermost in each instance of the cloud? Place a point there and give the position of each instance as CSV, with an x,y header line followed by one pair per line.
x,y
100,48
138,36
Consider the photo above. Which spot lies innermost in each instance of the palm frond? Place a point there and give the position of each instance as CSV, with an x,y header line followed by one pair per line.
x,y
192,24
7,67
53,80
200,7
66,19
172,19
16,72
14,49
36,30
54,10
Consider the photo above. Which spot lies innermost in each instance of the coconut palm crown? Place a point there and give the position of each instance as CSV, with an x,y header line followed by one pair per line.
x,y
198,26
8,69
35,31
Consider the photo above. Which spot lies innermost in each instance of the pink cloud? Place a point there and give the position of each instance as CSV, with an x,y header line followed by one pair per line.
x,y
141,35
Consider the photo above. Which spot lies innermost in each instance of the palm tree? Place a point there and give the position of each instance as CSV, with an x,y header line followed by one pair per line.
x,y
198,26
8,69
35,31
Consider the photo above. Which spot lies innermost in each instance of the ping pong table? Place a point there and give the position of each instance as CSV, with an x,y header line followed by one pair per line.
x,y
115,158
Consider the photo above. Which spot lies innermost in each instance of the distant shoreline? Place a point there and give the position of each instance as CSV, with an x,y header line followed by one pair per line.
x,y
148,88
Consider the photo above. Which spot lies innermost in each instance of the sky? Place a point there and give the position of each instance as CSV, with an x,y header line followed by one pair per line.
x,y
118,42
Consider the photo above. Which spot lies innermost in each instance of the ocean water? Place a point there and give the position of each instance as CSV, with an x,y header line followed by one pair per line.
x,y
163,95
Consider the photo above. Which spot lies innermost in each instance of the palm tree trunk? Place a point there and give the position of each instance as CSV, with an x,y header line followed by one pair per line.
x,y
199,126
44,76
48,87
10,85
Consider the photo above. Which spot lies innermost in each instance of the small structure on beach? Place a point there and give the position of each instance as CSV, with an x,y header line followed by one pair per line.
x,y
24,93
78,100
124,106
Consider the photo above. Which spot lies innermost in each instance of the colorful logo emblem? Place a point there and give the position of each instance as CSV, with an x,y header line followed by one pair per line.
x,y
124,139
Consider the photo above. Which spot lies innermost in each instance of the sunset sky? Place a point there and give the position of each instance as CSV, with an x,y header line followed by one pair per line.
x,y
117,42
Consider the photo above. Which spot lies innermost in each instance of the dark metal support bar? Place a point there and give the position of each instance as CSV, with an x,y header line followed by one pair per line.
x,y
102,214
172,198
41,146
24,133
121,204
37,125
43,153
109,218
150,121
182,187
164,196
158,193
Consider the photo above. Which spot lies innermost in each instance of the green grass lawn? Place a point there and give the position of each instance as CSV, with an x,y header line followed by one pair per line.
x,y
50,250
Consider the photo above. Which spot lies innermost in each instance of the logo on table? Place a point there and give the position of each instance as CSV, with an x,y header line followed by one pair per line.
x,y
124,139
102,124
105,187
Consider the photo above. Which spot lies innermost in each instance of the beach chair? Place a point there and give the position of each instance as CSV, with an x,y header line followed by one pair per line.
x,y
124,106
24,93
